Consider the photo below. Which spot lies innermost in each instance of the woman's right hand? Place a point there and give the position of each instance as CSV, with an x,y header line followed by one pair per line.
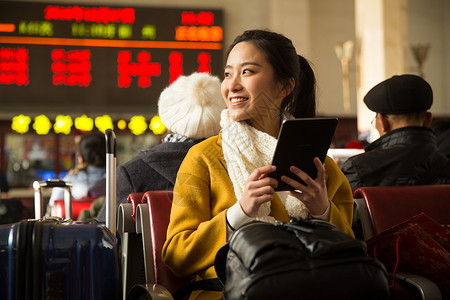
x,y
258,189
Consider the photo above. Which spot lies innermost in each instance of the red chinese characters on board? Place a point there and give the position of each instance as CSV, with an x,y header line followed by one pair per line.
x,y
71,68
143,69
204,62
90,14
202,18
198,27
14,66
176,65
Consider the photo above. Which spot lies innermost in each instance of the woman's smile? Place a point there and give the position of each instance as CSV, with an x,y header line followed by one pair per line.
x,y
238,100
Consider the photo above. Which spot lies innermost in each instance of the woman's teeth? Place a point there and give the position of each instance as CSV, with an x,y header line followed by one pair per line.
x,y
237,100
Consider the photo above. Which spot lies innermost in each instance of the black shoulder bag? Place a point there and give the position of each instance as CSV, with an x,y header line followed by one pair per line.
x,y
305,259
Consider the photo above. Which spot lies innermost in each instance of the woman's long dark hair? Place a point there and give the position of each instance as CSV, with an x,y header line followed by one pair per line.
x,y
286,63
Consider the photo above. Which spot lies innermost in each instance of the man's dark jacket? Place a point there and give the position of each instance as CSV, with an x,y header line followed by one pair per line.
x,y
405,156
149,170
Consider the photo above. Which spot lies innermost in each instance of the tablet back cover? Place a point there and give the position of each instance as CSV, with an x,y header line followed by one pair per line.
x,y
299,141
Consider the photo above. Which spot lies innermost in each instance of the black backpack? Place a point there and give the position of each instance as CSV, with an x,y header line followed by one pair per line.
x,y
305,259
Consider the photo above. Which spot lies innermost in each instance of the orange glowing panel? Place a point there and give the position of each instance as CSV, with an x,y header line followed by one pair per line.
x,y
199,33
108,43
7,27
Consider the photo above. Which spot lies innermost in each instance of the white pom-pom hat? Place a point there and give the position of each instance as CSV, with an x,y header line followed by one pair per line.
x,y
191,106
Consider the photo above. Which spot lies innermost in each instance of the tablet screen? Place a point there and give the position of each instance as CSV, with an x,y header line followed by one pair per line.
x,y
299,141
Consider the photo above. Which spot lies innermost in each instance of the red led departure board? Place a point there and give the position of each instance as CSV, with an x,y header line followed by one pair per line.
x,y
72,59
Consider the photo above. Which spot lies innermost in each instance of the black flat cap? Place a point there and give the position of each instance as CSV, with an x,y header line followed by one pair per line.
x,y
400,94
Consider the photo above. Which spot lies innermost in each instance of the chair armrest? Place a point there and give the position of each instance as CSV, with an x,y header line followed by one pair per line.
x,y
428,289
143,227
131,249
362,214
149,291
125,222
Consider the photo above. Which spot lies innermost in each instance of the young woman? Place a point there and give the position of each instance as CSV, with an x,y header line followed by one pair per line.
x,y
223,183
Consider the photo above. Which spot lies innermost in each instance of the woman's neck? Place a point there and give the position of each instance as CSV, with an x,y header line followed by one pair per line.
x,y
268,125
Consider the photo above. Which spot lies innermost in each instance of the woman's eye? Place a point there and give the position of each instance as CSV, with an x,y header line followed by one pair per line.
x,y
226,74
247,71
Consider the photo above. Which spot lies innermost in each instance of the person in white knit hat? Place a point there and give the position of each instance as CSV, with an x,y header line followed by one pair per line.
x,y
192,105
190,109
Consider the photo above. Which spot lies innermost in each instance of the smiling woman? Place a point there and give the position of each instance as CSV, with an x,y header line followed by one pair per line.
x,y
223,183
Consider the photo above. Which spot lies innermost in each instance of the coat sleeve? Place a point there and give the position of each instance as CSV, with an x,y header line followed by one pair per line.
x,y
340,196
195,233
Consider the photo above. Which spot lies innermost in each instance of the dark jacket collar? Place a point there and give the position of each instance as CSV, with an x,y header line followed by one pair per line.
x,y
404,135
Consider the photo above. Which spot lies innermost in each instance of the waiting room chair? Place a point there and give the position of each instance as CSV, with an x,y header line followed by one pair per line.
x,y
152,220
78,205
149,214
380,208
132,260
390,205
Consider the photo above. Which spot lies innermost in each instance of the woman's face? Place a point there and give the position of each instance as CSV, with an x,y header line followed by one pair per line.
x,y
250,90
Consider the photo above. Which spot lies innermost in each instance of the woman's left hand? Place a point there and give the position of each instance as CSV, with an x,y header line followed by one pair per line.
x,y
314,195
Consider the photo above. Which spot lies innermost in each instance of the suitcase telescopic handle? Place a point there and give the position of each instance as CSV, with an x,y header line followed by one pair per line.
x,y
111,208
55,183
39,200
110,138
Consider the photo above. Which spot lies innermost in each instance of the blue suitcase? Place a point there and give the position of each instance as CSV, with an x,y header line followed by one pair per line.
x,y
53,258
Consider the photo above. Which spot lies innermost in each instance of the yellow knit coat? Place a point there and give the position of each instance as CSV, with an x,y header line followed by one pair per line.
x,y
202,194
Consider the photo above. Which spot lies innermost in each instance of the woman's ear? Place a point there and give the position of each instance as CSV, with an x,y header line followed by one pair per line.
x,y
288,87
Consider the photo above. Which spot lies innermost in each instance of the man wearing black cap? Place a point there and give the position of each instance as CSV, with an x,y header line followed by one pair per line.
x,y
406,152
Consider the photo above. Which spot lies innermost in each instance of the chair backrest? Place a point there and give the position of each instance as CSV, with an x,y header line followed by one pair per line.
x,y
159,206
78,205
390,205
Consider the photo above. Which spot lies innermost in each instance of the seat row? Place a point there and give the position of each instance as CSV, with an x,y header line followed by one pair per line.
x,y
143,221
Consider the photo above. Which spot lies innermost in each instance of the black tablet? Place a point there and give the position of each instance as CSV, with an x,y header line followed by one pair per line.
x,y
299,141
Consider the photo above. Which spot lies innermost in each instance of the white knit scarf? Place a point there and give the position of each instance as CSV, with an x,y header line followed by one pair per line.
x,y
245,149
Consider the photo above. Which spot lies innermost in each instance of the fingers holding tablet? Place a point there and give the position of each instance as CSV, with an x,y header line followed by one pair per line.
x,y
314,194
